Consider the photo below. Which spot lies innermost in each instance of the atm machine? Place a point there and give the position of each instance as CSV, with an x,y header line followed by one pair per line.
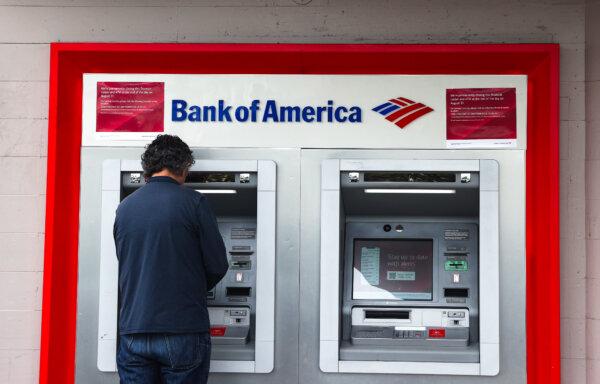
x,y
241,306
409,267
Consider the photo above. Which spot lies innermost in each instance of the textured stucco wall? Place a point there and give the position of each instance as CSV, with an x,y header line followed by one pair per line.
x,y
27,26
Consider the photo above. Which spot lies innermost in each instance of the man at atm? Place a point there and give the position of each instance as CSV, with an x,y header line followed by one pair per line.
x,y
170,254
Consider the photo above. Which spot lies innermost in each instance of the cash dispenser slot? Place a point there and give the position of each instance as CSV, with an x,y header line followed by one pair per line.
x,y
241,264
456,254
395,314
241,253
456,292
238,291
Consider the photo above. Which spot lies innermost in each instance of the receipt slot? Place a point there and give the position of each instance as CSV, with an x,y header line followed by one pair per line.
x,y
409,267
241,306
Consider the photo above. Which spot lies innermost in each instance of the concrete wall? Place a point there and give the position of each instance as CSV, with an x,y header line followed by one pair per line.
x,y
593,190
27,26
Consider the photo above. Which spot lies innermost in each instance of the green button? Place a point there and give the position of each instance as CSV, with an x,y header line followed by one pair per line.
x,y
456,265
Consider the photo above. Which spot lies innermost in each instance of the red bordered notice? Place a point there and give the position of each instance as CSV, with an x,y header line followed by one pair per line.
x,y
130,107
481,117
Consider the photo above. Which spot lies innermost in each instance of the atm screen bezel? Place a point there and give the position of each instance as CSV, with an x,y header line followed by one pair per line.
x,y
433,261
373,229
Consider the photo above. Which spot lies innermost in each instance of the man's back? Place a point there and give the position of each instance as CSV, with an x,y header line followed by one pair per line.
x,y
170,253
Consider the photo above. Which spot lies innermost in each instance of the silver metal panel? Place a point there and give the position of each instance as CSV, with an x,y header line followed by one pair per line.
x,y
265,274
107,302
266,247
489,175
444,369
221,366
391,353
330,278
131,165
111,169
489,279
330,171
108,296
286,274
512,301
268,171
330,281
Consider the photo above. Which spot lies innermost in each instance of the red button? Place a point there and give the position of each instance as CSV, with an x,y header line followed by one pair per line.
x,y
437,333
218,331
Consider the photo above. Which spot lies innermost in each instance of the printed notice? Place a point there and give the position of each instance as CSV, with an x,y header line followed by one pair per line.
x,y
130,107
369,264
481,117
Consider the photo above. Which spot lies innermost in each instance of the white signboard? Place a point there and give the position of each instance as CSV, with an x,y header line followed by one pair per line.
x,y
307,111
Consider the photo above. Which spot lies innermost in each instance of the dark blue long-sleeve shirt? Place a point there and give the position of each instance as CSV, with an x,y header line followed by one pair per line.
x,y
170,254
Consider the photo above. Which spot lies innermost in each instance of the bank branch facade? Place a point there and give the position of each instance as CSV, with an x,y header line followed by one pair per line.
x,y
390,212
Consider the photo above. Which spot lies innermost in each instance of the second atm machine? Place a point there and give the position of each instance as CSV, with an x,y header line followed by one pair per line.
x,y
409,267
241,306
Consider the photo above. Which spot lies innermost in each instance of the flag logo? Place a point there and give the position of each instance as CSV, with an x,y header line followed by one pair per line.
x,y
402,111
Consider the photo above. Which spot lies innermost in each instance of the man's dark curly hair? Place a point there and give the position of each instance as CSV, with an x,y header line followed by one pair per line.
x,y
167,151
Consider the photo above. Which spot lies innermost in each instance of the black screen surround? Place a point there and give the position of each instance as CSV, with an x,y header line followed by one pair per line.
x,y
393,269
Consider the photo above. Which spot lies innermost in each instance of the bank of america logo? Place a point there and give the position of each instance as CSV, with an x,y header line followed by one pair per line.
x,y
402,111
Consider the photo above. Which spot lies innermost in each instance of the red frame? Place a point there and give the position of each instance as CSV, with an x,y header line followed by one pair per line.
x,y
70,60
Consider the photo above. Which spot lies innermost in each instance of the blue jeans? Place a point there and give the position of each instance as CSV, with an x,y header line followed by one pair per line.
x,y
168,358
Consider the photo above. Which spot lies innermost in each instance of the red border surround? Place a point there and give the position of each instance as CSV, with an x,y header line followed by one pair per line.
x,y
70,60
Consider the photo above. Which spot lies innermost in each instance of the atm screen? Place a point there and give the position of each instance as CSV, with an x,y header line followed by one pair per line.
x,y
393,269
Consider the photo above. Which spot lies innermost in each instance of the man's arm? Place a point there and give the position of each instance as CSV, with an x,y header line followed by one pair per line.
x,y
213,249
115,238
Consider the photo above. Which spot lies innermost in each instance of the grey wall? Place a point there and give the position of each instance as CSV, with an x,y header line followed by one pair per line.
x,y
27,26
593,190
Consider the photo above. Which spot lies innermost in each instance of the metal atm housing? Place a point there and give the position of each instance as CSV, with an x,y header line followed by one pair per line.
x,y
409,267
241,306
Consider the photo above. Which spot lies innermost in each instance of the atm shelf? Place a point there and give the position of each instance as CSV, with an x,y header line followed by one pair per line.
x,y
351,352
243,352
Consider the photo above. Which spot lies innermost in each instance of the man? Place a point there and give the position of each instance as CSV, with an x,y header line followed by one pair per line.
x,y
170,254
